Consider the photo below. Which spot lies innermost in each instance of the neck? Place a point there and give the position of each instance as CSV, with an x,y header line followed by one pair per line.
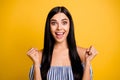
x,y
61,45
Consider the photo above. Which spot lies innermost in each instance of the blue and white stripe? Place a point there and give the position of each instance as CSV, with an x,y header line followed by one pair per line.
x,y
58,73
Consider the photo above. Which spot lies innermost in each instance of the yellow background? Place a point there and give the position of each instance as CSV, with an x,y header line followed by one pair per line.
x,y
97,22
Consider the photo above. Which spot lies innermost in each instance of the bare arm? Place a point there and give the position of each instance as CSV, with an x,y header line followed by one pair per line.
x,y
37,75
90,53
86,56
35,55
86,74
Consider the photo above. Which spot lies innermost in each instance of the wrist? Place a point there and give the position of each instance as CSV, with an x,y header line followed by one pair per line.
x,y
87,63
36,65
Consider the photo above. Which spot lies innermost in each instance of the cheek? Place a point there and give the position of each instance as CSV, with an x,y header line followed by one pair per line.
x,y
67,27
52,29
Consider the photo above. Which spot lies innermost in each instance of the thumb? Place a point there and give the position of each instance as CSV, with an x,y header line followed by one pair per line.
x,y
88,50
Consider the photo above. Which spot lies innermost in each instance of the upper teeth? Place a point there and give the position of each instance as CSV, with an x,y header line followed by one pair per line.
x,y
59,33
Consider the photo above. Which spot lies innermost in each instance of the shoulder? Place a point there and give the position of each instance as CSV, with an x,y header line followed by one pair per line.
x,y
81,53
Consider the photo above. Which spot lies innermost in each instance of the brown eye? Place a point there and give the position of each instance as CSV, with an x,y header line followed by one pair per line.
x,y
53,23
64,22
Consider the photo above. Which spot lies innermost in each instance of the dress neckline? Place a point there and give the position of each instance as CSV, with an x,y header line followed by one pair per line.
x,y
60,66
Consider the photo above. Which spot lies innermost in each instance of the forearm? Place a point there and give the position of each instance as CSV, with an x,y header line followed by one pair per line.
x,y
37,74
86,74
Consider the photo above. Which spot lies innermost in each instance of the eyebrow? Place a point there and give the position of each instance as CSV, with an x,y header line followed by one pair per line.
x,y
56,20
64,19
53,20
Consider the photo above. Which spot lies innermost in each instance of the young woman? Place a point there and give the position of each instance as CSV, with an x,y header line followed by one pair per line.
x,y
60,58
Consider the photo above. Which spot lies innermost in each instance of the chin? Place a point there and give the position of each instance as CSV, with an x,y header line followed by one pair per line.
x,y
59,40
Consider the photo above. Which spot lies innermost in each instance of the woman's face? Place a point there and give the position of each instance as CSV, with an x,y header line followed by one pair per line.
x,y
59,25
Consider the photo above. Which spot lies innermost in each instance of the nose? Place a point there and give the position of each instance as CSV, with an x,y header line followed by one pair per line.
x,y
59,26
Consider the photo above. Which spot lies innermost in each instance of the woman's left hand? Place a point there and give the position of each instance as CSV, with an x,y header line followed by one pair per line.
x,y
90,54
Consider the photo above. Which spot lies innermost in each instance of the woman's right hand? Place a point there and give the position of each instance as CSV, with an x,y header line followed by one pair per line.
x,y
33,53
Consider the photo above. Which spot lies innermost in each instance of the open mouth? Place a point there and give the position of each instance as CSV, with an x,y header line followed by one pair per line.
x,y
59,35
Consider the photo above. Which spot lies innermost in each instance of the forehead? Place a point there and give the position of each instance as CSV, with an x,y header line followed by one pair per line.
x,y
59,16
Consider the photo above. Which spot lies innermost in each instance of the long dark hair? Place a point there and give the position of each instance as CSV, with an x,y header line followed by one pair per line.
x,y
49,42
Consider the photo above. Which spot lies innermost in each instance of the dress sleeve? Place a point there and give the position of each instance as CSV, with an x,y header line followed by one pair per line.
x,y
31,73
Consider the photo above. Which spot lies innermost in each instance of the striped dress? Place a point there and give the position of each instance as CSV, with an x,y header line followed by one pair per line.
x,y
58,73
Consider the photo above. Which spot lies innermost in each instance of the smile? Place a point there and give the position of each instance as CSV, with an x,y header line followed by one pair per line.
x,y
59,35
